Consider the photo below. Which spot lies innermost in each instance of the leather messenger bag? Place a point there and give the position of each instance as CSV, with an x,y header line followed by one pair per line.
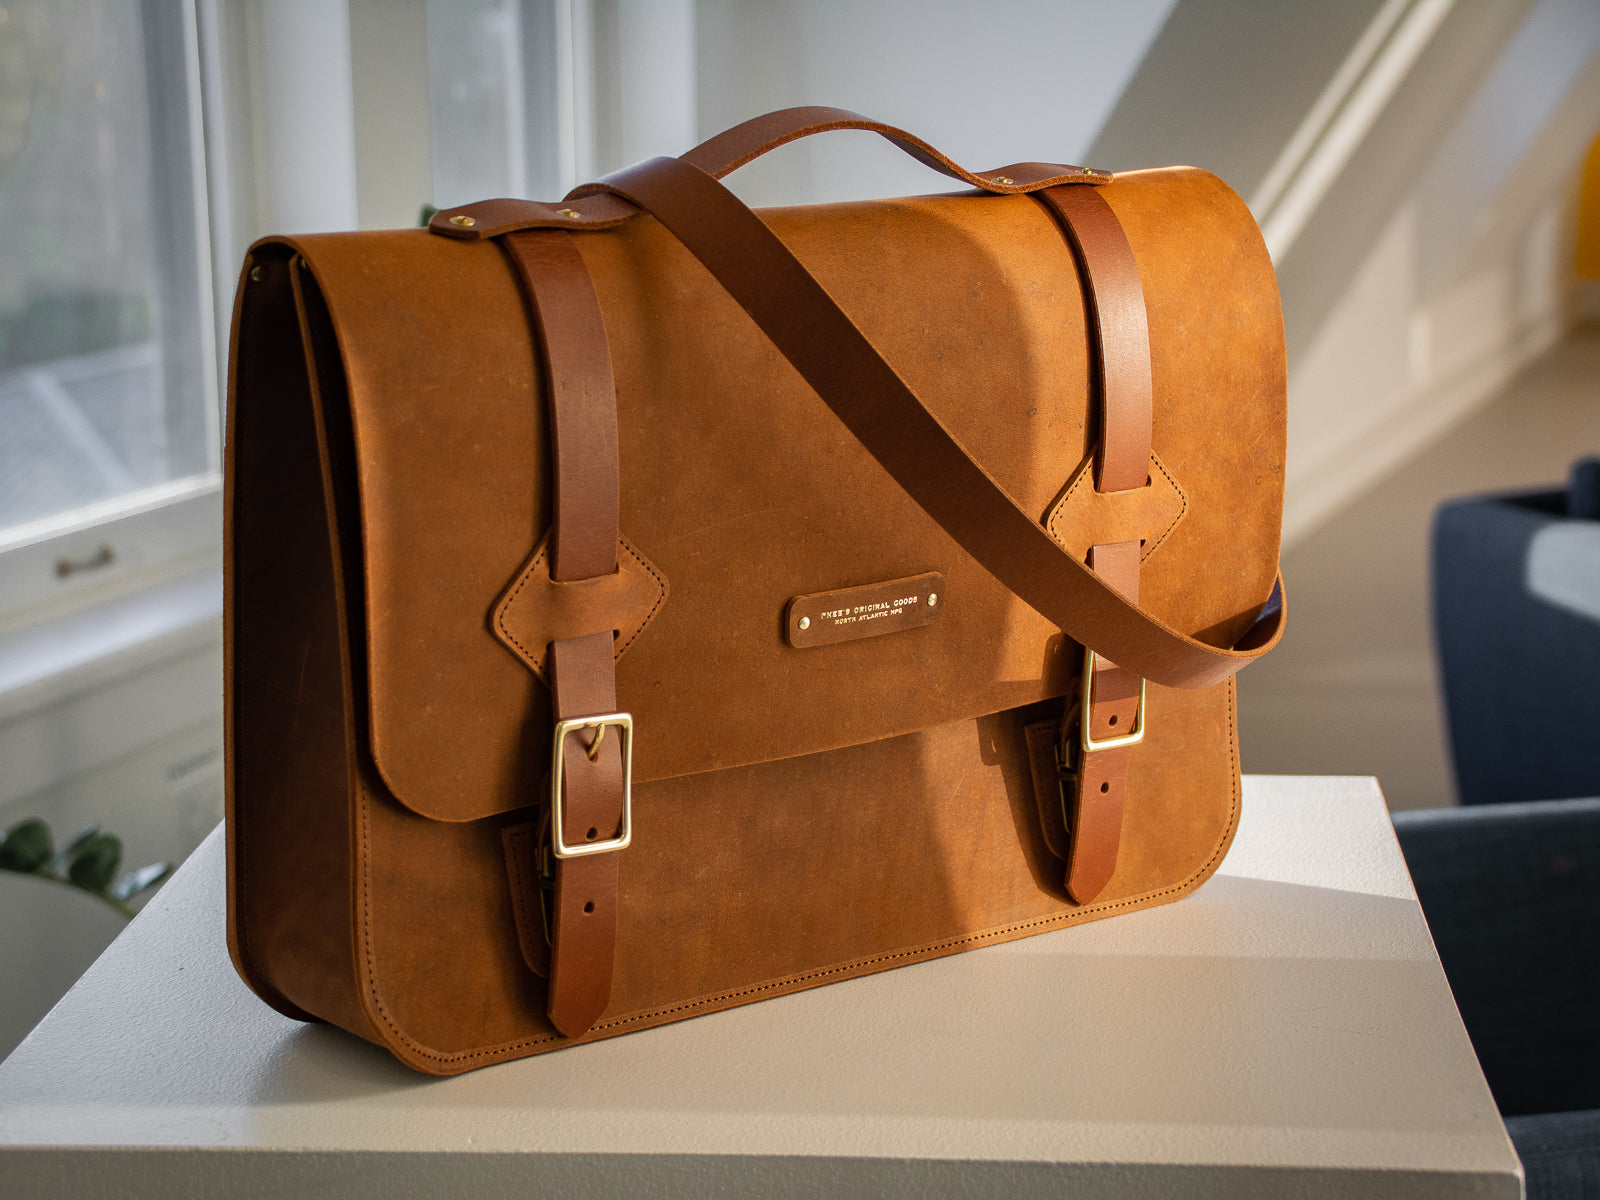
x,y
639,606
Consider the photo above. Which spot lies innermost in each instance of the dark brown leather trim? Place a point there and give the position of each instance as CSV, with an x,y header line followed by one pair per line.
x,y
524,844
582,399
583,947
581,666
728,151
1121,333
1102,778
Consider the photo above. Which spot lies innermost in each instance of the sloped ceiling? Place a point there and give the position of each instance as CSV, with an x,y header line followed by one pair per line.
x,y
1227,82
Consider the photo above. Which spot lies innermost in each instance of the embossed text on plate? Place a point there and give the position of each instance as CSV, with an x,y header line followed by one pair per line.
x,y
822,618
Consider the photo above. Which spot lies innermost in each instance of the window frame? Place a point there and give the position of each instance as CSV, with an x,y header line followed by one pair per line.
x,y
108,548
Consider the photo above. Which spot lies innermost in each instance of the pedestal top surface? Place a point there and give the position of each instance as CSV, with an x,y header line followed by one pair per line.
x,y
1289,1016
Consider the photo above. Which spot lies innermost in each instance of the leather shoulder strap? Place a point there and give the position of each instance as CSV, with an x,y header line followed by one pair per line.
x,y
864,391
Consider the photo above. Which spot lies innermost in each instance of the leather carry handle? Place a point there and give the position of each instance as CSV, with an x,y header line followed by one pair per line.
x,y
727,152
924,458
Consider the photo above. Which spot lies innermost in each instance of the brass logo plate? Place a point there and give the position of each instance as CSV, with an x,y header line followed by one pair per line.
x,y
823,618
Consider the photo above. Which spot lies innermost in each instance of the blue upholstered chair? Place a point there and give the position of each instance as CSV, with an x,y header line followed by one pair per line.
x,y
1511,882
1516,604
1512,895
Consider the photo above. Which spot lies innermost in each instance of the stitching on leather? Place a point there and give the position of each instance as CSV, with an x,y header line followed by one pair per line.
x,y
528,655
499,616
1085,472
500,612
1183,506
1077,481
1041,924
516,844
369,982
661,597
1199,875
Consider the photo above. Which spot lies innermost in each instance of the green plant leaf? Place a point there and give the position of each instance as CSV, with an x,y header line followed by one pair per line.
x,y
64,855
134,882
95,863
25,846
428,213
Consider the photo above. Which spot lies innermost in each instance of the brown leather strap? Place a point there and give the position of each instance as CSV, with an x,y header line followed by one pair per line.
x,y
1121,333
833,355
582,401
584,931
1100,791
1121,357
582,671
729,151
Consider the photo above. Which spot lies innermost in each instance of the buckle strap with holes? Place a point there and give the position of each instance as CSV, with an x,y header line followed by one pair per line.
x,y
1112,714
591,817
591,797
1087,742
1112,700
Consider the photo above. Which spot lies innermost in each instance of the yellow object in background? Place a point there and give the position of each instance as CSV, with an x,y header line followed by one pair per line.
x,y
1589,216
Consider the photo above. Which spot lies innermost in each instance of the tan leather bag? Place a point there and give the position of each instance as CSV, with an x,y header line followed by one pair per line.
x,y
872,576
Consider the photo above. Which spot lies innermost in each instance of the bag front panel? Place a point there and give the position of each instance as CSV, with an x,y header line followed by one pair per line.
x,y
755,881
744,491
801,816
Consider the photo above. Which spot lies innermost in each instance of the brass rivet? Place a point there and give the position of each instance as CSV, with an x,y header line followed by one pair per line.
x,y
805,622
1003,179
933,598
463,220
570,212
257,274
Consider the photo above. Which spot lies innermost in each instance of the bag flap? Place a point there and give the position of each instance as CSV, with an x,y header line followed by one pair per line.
x,y
744,492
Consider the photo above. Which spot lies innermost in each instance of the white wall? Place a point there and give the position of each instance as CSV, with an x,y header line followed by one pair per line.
x,y
989,84
1468,279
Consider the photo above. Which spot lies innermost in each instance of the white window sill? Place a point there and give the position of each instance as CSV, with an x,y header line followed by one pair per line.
x,y
86,687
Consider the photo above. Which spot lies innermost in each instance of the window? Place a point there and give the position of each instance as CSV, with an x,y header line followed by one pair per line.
x,y
109,438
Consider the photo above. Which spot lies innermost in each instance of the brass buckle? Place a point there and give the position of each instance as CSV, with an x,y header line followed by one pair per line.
x,y
1085,739
622,721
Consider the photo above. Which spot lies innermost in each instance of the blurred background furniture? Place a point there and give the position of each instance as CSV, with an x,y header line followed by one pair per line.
x,y
1512,896
1516,601
1510,883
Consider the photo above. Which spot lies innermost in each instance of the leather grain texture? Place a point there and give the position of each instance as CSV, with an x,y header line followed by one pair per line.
x,y
801,815
976,299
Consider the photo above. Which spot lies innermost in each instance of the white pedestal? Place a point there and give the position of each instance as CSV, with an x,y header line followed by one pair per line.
x,y
1286,1031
